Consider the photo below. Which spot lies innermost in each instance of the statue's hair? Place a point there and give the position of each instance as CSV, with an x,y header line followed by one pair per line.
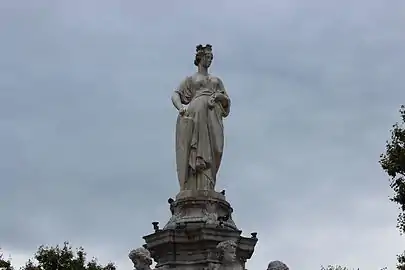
x,y
141,253
201,51
226,244
277,265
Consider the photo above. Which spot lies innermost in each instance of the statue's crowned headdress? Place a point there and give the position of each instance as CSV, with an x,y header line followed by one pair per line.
x,y
204,49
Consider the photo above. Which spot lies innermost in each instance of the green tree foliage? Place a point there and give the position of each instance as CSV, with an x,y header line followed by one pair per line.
x,y
6,265
60,258
335,267
401,261
393,163
339,267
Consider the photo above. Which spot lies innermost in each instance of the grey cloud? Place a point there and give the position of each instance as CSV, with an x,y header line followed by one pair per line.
x,y
84,90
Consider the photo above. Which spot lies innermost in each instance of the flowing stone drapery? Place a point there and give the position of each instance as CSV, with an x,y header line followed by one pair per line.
x,y
200,132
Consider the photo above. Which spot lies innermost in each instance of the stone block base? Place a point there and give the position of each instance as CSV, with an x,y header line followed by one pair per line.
x,y
200,221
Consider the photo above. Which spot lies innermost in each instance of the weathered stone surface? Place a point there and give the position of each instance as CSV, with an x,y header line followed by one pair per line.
x,y
227,256
206,206
202,102
195,246
191,237
277,265
141,258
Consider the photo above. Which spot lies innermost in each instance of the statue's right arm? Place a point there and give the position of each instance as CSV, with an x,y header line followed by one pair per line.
x,y
184,91
176,100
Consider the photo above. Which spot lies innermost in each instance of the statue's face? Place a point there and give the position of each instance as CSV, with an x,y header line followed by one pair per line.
x,y
206,60
139,264
230,254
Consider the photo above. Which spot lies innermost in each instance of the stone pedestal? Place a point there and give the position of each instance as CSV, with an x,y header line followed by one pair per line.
x,y
200,221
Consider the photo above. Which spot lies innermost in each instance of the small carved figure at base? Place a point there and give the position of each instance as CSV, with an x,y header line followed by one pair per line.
x,y
141,258
277,265
227,256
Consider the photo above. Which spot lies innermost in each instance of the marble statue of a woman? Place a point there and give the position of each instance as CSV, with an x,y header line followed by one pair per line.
x,y
202,103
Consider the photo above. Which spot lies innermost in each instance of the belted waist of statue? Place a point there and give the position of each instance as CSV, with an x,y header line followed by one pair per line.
x,y
204,92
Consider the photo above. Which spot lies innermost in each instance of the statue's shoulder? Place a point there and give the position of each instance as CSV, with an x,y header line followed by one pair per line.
x,y
216,79
195,77
186,82
188,79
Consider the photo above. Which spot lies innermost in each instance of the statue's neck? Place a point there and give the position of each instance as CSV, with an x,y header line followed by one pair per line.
x,y
228,262
202,70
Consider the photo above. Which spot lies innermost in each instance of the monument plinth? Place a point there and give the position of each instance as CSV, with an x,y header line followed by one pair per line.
x,y
205,206
201,233
200,221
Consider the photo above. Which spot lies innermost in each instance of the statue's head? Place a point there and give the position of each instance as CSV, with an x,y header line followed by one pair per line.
x,y
203,56
141,258
227,251
277,265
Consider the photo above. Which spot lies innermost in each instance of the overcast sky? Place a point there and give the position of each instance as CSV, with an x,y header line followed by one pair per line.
x,y
87,125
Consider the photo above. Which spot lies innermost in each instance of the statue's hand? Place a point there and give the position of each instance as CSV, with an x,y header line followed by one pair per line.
x,y
183,110
220,97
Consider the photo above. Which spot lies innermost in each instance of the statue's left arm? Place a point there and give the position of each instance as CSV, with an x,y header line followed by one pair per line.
x,y
223,98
